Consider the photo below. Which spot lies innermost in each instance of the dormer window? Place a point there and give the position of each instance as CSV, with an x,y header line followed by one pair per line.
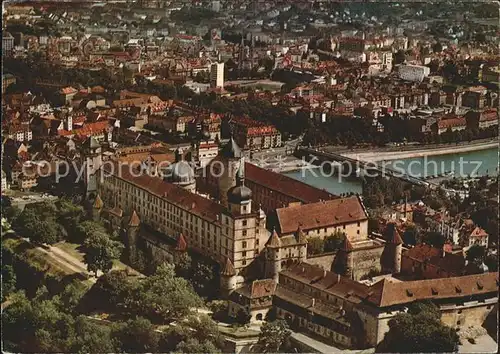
x,y
409,293
458,289
434,291
480,285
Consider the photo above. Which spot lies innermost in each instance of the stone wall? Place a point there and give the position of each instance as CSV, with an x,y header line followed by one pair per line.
x,y
324,260
366,259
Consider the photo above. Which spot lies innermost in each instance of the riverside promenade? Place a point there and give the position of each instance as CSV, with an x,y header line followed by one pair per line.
x,y
408,152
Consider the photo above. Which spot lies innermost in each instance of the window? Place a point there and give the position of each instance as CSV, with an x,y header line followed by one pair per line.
x,y
244,253
343,227
244,223
244,262
358,232
359,224
244,232
244,244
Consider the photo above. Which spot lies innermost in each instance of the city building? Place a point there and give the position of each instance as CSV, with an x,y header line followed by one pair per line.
x,y
413,72
254,135
217,75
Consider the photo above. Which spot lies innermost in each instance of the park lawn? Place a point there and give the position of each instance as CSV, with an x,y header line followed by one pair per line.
x,y
71,248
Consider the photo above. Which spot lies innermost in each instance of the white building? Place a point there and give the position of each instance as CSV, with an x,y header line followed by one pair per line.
x,y
413,72
217,75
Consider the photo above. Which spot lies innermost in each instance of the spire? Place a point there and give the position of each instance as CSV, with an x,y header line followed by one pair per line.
x,y
301,236
178,155
274,241
240,174
228,269
98,203
181,243
392,235
134,220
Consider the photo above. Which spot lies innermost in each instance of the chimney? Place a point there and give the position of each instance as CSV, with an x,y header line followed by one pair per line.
x,y
324,273
313,302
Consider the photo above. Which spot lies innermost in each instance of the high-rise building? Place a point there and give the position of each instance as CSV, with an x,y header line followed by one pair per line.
x,y
217,75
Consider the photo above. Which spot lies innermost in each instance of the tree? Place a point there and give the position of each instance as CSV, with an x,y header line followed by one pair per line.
x,y
475,255
203,279
242,316
315,245
137,336
100,251
196,334
435,239
115,290
86,229
40,228
165,296
273,335
419,331
333,242
8,281
69,214
91,337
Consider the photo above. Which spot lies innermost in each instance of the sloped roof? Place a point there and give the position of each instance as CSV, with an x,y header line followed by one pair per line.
x,y
228,268
388,293
320,215
134,219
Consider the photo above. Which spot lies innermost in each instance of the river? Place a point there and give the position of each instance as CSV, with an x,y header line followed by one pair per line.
x,y
475,163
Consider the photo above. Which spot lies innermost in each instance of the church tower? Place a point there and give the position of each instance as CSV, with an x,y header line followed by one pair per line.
x,y
239,197
230,158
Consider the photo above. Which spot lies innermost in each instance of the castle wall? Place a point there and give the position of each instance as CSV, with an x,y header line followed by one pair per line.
x,y
324,260
365,260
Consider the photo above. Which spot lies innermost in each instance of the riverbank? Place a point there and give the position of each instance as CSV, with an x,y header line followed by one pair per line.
x,y
376,156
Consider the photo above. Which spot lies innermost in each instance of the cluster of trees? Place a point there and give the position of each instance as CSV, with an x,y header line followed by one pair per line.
x,y
420,330
380,191
48,223
193,15
317,245
350,132
48,323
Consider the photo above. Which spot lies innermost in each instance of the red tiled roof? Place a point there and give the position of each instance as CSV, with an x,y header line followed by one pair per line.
x,y
134,220
263,287
194,203
478,232
319,215
68,90
388,293
285,185
452,122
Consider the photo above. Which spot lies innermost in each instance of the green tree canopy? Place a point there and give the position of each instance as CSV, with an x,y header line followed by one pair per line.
x,y
419,331
273,335
100,251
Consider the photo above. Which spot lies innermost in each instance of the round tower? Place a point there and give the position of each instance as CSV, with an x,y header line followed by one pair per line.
x,y
227,278
390,260
132,233
273,257
344,259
